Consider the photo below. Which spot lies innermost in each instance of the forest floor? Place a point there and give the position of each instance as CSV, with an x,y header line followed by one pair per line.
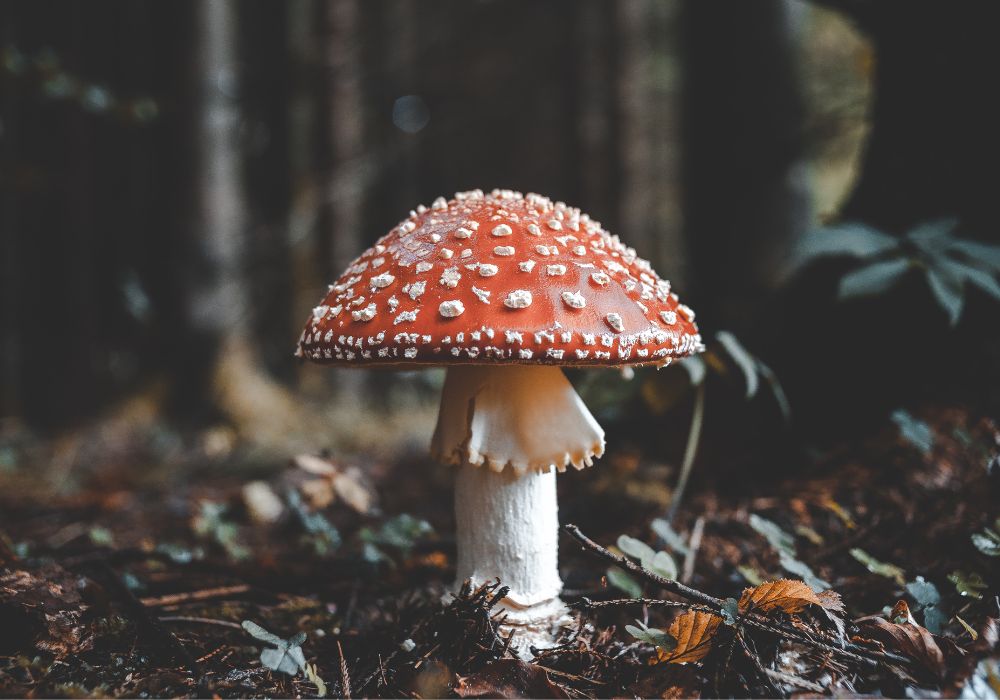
x,y
139,583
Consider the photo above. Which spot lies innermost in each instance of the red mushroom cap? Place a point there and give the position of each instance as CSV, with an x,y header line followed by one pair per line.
x,y
499,278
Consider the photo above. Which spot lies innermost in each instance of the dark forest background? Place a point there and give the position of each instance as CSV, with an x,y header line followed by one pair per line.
x,y
180,180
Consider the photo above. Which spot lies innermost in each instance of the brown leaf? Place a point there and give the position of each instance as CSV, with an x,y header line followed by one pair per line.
x,y
901,613
351,488
694,631
348,484
830,600
790,595
908,639
833,609
508,678
43,608
314,465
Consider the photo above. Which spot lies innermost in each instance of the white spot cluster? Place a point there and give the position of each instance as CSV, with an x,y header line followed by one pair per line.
x,y
382,281
518,299
450,277
451,309
574,300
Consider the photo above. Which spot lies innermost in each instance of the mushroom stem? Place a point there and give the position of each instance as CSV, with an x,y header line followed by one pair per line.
x,y
508,429
508,528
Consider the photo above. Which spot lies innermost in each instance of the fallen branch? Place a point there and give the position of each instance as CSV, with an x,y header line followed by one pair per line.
x,y
714,605
200,621
192,596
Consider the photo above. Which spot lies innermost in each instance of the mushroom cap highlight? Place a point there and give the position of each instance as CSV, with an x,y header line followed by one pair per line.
x,y
499,278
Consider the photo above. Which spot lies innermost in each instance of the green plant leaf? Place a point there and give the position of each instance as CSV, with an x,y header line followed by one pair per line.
x,y
321,533
879,567
970,274
635,548
932,236
914,431
872,279
987,542
852,239
695,367
665,532
948,291
923,592
623,582
976,251
743,359
776,390
934,619
286,657
401,532
651,635
663,565
258,632
802,570
659,563
968,584
779,540
730,611
753,577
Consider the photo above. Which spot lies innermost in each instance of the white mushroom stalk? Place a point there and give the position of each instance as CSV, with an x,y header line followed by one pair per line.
x,y
509,429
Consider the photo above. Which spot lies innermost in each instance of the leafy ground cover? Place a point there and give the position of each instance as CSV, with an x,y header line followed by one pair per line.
x,y
871,567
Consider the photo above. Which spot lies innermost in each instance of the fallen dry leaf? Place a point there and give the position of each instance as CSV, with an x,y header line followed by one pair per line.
x,y
348,484
43,608
314,465
831,600
508,678
901,613
790,595
908,639
694,631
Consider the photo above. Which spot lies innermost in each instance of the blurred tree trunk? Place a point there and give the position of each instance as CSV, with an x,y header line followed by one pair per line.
x,y
597,111
746,198
346,173
269,84
345,115
308,277
219,299
10,282
648,134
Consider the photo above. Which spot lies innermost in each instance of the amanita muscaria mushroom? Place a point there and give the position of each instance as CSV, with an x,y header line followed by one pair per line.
x,y
504,290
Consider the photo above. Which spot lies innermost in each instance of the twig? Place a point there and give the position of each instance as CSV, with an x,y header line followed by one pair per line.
x,y
588,604
345,678
696,533
694,436
381,671
849,649
671,585
191,596
200,620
